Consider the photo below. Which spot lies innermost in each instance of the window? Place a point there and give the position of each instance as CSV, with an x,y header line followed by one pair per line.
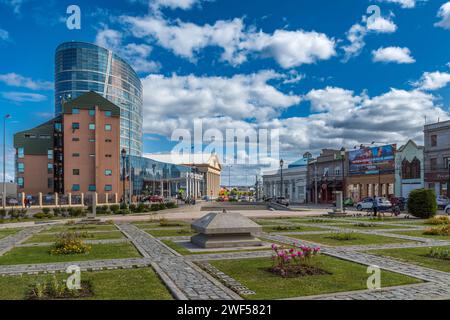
x,y
44,136
58,127
20,153
433,164
108,187
20,167
75,125
50,168
108,114
20,182
50,183
108,140
337,171
434,140
92,187
91,113
108,172
76,155
75,111
75,187
108,127
30,136
50,154
92,155
91,140
108,155
76,172
91,126
446,163
75,139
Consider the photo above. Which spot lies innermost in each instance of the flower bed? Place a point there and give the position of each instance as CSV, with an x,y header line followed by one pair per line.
x,y
294,261
69,243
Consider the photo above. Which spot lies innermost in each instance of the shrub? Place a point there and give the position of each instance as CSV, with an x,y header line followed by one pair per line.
x,y
75,212
438,220
2,213
114,208
133,207
422,203
154,207
286,228
343,236
46,210
438,231
163,222
161,206
124,211
13,213
171,205
141,208
439,253
56,211
42,215
69,243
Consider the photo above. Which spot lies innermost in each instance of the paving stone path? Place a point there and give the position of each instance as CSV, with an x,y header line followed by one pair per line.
x,y
93,265
9,242
180,275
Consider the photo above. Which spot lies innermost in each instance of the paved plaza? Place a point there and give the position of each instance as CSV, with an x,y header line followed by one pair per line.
x,y
192,277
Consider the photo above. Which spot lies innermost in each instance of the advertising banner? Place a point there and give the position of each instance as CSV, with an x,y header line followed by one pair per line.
x,y
372,160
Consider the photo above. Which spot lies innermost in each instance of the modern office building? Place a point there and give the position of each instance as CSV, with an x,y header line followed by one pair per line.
x,y
76,152
82,67
437,156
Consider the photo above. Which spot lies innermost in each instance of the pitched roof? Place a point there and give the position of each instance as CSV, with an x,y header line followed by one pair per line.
x,y
35,141
88,100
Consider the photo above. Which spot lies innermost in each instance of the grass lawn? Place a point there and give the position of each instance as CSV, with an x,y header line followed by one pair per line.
x,y
317,220
345,276
419,233
171,233
386,219
185,252
286,228
270,222
367,226
416,256
131,284
7,232
361,239
156,224
80,227
91,236
29,255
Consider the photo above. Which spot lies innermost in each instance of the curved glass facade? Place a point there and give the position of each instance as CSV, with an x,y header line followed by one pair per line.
x,y
82,67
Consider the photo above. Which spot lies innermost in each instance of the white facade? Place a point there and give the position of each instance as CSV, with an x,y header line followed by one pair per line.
x,y
294,182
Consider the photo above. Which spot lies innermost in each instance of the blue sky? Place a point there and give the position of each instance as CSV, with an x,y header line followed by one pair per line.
x,y
325,73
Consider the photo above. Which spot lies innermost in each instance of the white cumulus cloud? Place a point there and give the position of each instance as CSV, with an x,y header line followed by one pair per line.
x,y
433,80
17,80
393,55
444,14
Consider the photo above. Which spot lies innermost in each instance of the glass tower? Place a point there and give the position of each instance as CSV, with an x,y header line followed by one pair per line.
x,y
82,67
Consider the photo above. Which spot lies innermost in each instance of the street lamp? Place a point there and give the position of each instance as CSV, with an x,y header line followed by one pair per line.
x,y
4,161
448,182
281,176
343,169
124,155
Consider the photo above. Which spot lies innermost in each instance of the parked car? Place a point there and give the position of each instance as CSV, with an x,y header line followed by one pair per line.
x,y
447,209
367,204
283,201
442,201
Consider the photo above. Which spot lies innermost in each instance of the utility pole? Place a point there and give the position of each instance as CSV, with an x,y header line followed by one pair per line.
x,y
315,183
448,182
281,173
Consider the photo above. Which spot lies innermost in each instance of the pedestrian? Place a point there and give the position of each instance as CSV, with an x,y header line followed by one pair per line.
x,y
375,207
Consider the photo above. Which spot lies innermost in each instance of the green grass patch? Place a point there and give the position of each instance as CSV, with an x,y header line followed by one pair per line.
x,y
130,284
89,236
345,276
157,224
83,227
366,225
288,228
171,232
416,256
357,239
7,232
419,233
29,255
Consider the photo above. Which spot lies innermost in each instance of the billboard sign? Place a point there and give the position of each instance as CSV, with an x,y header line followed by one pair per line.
x,y
372,160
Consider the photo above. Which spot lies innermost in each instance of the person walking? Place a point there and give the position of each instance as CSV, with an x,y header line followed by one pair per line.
x,y
375,207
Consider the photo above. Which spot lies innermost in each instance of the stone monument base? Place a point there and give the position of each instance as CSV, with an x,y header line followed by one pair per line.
x,y
225,240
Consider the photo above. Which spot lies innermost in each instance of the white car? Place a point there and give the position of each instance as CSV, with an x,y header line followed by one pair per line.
x,y
447,209
442,201
367,203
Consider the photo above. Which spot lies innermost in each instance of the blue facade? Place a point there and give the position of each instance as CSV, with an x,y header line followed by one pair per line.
x,y
82,67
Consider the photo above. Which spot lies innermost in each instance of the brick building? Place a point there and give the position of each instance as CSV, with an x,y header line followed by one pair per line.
x,y
76,152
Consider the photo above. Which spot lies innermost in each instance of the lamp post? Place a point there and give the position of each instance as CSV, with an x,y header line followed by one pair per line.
x,y
448,181
4,161
281,176
124,155
343,169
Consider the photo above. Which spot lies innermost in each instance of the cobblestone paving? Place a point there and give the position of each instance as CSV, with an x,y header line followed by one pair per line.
x,y
93,265
184,276
8,243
